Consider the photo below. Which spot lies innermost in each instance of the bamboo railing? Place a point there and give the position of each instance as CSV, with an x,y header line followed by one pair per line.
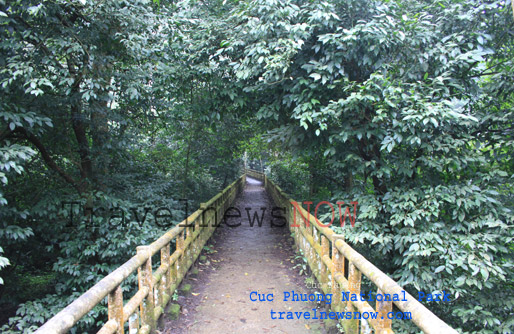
x,y
326,252
144,308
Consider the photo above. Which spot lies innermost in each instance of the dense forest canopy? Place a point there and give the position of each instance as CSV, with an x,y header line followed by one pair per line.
x,y
119,108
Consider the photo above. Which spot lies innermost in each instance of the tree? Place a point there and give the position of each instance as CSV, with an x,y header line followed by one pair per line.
x,y
108,107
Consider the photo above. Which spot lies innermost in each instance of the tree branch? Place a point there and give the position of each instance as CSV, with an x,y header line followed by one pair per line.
x,y
47,158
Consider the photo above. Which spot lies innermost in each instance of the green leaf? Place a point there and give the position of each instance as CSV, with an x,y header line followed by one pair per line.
x,y
485,273
316,76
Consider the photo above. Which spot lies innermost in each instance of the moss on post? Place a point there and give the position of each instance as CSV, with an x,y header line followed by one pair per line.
x,y
174,311
186,289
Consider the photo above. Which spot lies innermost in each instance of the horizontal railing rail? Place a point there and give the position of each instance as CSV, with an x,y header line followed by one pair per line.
x,y
255,174
326,252
154,288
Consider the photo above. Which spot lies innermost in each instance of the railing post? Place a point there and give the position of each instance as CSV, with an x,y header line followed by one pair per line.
x,y
133,323
144,274
115,308
337,268
217,206
383,307
309,249
198,241
325,251
188,251
173,274
316,262
181,258
203,221
354,285
166,277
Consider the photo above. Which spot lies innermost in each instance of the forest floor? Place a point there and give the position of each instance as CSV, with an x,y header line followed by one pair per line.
x,y
240,260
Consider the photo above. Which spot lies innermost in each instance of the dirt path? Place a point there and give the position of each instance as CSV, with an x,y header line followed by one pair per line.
x,y
241,260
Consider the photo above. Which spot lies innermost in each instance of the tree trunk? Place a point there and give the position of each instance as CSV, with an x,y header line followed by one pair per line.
x,y
100,137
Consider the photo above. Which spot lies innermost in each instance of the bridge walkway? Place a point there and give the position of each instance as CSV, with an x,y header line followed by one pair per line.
x,y
245,259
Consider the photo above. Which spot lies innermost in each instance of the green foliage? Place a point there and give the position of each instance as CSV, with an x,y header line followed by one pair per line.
x,y
209,249
115,105
175,295
301,263
3,263
291,174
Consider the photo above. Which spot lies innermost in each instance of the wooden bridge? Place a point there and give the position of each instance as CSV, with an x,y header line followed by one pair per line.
x,y
336,266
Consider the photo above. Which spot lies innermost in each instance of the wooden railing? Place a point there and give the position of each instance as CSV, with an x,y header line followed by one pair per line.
x,y
154,288
326,253
256,175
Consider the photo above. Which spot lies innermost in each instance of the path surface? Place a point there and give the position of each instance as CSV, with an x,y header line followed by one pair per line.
x,y
245,259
